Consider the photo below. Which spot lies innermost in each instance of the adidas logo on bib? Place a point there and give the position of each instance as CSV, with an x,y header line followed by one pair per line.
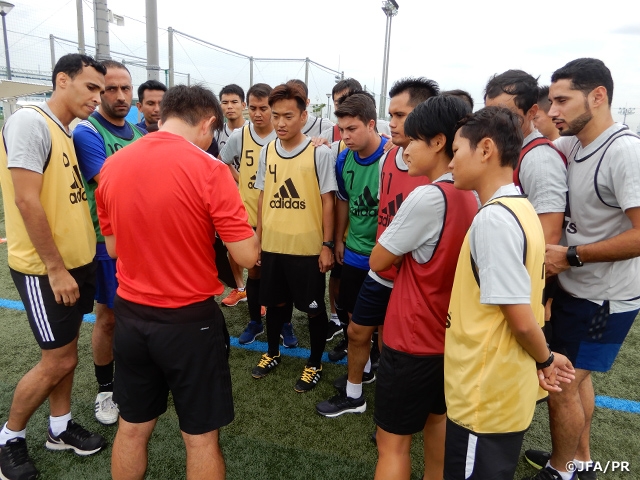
x,y
287,197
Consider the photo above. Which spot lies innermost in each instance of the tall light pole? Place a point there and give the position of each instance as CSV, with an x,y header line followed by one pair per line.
x,y
328,105
622,111
390,9
5,8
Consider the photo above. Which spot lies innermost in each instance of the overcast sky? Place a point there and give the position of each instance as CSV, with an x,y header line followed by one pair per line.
x,y
460,44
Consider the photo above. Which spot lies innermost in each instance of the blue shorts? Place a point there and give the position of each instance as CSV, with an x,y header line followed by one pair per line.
x,y
106,282
371,304
586,332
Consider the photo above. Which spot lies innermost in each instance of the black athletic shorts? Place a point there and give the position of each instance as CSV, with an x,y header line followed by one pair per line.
x,y
182,350
292,278
350,283
408,389
474,456
336,271
53,324
371,304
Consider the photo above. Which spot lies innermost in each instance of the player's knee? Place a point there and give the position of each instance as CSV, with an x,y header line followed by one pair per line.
x,y
358,335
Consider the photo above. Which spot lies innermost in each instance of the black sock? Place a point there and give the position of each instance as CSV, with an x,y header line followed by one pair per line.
x,y
343,316
318,326
276,318
253,299
104,376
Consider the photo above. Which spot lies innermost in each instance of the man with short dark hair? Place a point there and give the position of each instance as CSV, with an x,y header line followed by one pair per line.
x,y
541,171
51,246
295,224
395,186
233,104
170,334
150,95
599,272
425,235
495,355
315,126
101,135
542,121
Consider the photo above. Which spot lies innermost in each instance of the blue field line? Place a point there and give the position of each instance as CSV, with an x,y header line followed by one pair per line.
x,y
610,403
255,346
619,404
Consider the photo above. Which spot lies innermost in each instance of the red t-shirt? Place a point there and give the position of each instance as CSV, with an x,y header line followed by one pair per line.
x,y
164,199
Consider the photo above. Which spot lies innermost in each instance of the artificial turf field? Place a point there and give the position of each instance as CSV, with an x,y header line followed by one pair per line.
x,y
277,433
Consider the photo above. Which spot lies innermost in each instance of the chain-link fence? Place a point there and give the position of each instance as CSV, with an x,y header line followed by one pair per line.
x,y
38,35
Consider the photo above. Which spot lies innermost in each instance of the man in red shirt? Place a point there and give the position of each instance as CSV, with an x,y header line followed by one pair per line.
x,y
160,205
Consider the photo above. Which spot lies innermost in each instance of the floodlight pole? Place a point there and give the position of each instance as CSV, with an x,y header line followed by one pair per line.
x,y
390,9
101,25
153,55
80,21
626,111
328,105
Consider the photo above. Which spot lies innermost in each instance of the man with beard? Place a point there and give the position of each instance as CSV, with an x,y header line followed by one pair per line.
x,y
599,272
95,139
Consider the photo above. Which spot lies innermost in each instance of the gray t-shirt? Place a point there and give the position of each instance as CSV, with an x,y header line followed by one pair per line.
x,y
232,150
325,165
315,126
418,224
543,177
603,180
497,243
26,135
222,136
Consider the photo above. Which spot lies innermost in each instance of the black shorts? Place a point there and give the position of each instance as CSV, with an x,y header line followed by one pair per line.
x,y
182,350
292,278
350,283
474,456
371,304
336,271
408,389
53,324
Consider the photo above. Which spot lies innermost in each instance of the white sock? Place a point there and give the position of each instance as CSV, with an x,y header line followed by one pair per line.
x,y
335,319
367,367
354,390
6,434
582,465
240,289
59,424
563,475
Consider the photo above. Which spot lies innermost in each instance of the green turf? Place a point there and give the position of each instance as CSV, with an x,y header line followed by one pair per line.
x,y
276,433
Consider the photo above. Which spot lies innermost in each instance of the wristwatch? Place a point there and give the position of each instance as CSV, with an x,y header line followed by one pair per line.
x,y
540,366
331,245
573,258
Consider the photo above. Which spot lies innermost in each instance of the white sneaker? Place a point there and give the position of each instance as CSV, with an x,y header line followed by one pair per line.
x,y
106,410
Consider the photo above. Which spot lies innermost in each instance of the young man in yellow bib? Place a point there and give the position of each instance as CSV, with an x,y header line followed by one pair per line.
x,y
495,355
51,248
243,149
295,224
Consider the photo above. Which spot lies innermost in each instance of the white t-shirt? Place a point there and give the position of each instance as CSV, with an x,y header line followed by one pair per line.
x,y
543,177
418,224
27,132
497,245
604,181
315,126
